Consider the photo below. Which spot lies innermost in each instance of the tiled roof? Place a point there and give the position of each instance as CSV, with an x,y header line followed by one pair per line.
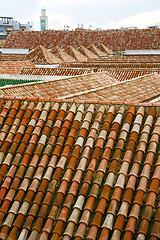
x,y
96,87
87,52
97,51
62,88
141,89
126,74
103,48
55,71
113,39
12,57
40,55
82,171
14,67
62,55
70,50
115,64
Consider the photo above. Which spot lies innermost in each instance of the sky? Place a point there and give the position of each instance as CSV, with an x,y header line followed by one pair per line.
x,y
93,14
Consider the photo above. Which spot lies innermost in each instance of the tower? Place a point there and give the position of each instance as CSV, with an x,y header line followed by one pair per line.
x,y
43,20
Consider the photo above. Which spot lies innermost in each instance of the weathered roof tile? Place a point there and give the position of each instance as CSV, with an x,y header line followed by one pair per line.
x,y
79,189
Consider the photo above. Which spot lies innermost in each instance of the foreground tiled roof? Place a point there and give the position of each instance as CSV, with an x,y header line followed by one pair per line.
x,y
62,88
14,67
78,171
113,39
62,55
75,54
41,55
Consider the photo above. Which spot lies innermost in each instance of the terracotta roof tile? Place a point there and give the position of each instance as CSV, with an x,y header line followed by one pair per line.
x,y
114,39
92,89
74,53
105,49
57,71
97,51
95,189
62,54
40,55
14,67
75,87
89,54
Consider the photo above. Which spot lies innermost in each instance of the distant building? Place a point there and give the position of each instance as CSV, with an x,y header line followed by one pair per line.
x,y
43,20
7,24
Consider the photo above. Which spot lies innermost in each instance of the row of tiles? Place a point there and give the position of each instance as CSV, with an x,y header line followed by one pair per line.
x,y
55,71
78,171
110,64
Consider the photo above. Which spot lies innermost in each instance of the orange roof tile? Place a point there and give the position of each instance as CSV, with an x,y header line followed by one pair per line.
x,y
62,55
87,53
14,67
141,89
97,51
78,171
130,73
113,39
105,49
55,71
62,88
12,57
121,63
75,54
97,87
40,55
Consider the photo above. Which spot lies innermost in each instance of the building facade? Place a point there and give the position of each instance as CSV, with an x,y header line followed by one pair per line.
x,y
7,24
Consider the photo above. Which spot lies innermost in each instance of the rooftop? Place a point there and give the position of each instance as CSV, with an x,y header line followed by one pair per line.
x,y
14,67
41,55
114,39
93,86
63,87
88,171
62,55
85,51
80,155
140,89
74,53
41,71
97,51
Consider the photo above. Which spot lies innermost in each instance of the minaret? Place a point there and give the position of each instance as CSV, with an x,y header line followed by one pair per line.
x,y
43,20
